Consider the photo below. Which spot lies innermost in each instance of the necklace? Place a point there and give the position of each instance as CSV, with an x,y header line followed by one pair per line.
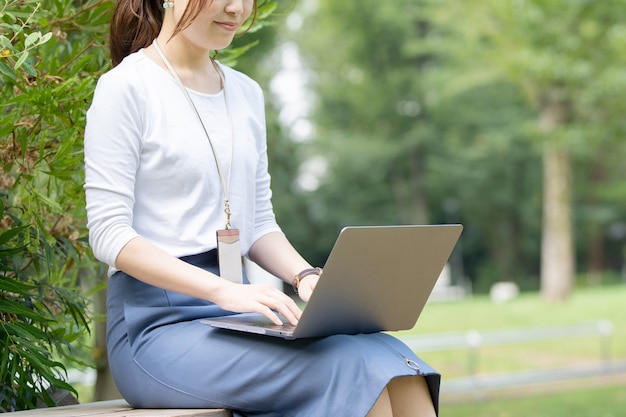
x,y
223,179
228,245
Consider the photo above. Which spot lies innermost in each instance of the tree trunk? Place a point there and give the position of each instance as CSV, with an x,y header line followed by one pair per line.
x,y
596,256
597,230
409,190
557,254
419,214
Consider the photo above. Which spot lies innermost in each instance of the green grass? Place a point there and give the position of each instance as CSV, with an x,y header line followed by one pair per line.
x,y
529,311
596,402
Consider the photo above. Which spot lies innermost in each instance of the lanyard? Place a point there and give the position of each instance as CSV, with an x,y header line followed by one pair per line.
x,y
224,180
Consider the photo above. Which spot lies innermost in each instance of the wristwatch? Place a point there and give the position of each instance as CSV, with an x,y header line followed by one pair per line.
x,y
304,273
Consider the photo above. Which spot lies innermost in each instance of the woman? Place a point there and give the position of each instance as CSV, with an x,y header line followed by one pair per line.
x,y
175,151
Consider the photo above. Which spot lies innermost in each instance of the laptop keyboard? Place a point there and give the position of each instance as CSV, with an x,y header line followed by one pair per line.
x,y
285,326
266,324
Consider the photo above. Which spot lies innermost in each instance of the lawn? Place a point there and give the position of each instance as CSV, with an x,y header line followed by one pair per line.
x,y
605,399
597,402
527,311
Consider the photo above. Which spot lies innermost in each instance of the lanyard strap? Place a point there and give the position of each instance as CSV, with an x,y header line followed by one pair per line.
x,y
225,181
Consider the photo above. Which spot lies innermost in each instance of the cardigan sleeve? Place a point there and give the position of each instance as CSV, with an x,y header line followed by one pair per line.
x,y
112,154
265,220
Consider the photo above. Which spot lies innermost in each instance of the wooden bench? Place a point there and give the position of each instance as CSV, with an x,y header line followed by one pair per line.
x,y
119,408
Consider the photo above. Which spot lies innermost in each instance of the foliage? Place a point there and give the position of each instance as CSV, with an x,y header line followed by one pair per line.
x,y
565,56
41,314
428,111
373,118
49,57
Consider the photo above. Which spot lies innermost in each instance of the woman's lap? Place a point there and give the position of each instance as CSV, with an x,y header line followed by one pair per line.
x,y
162,357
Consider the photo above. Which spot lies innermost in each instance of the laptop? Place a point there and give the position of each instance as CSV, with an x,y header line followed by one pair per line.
x,y
375,279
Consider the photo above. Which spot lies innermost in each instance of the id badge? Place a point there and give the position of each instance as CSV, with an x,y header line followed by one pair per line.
x,y
229,255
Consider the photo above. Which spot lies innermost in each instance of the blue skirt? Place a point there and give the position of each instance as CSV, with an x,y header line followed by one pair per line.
x,y
161,356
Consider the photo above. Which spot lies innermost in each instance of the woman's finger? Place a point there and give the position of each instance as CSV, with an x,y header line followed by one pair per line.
x,y
267,312
282,303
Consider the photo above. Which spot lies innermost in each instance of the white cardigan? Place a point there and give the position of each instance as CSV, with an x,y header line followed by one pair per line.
x,y
149,169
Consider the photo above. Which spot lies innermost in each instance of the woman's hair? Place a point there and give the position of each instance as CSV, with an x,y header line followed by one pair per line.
x,y
136,23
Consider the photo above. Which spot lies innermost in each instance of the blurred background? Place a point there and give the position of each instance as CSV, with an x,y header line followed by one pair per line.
x,y
506,116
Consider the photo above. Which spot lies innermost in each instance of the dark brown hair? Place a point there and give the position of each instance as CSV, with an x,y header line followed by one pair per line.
x,y
136,23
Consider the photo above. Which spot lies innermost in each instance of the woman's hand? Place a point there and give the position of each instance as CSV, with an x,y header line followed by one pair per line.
x,y
257,298
306,287
274,253
167,272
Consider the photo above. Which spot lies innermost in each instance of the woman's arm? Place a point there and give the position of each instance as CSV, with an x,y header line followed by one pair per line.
x,y
275,254
146,262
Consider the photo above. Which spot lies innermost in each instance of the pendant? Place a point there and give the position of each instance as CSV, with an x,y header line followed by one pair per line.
x,y
229,255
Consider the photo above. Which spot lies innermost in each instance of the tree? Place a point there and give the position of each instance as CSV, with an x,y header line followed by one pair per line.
x,y
566,55
374,127
453,109
398,115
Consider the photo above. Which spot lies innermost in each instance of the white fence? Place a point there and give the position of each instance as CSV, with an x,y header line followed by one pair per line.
x,y
472,341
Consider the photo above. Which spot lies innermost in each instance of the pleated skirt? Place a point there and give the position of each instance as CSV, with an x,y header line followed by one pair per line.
x,y
161,356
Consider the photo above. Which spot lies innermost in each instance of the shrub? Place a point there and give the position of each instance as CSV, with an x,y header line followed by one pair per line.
x,y
49,60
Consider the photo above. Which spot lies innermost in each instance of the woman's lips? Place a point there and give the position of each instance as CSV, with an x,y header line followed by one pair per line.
x,y
229,26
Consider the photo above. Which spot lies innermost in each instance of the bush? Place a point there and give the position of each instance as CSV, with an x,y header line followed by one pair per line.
x,y
49,60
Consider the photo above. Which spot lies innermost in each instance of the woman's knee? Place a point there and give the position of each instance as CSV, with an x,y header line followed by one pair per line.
x,y
410,396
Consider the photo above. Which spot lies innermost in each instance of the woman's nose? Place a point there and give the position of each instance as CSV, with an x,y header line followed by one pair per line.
x,y
234,6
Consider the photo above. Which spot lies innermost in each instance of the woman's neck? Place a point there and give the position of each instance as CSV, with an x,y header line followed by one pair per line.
x,y
193,65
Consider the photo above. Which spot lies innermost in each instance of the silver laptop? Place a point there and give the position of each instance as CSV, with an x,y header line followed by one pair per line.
x,y
375,279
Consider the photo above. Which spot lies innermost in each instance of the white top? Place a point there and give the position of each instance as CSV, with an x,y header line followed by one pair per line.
x,y
150,171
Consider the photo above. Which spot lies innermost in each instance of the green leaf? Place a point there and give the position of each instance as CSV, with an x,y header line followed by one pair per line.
x,y
29,68
266,10
13,307
11,252
32,39
49,202
7,70
45,38
37,358
10,15
27,331
4,358
16,287
5,42
10,234
20,60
